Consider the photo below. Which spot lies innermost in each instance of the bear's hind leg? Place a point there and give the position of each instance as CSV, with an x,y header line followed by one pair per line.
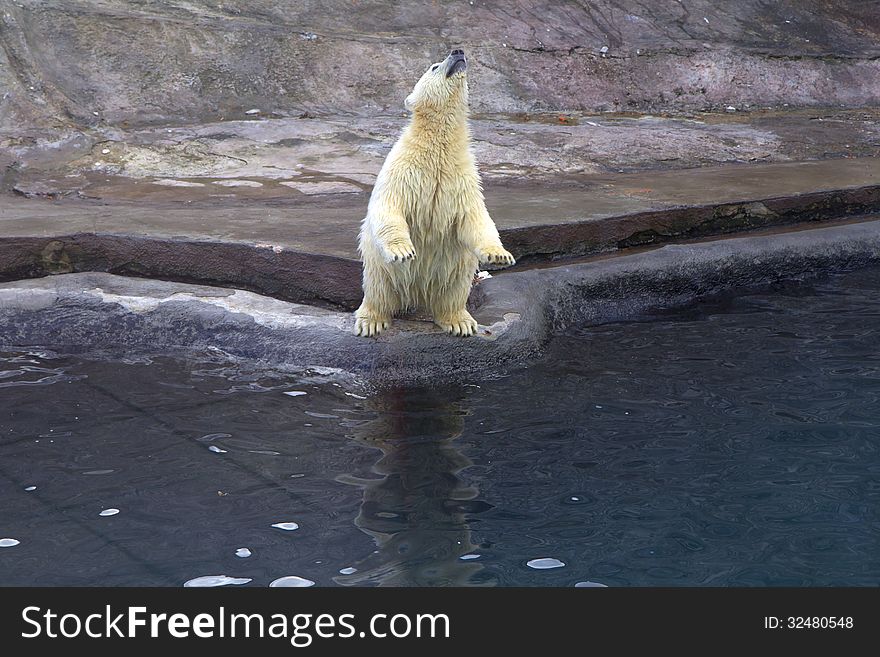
x,y
449,312
380,303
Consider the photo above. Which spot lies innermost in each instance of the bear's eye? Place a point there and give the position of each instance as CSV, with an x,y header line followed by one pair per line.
x,y
435,67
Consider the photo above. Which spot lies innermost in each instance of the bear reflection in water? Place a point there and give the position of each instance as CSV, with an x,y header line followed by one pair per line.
x,y
417,510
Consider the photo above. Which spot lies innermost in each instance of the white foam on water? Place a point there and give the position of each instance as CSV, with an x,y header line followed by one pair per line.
x,y
590,585
348,571
216,580
295,393
217,450
213,436
109,512
286,526
244,553
544,563
30,488
8,542
468,557
291,581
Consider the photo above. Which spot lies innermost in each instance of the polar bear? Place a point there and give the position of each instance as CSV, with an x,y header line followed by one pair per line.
x,y
427,226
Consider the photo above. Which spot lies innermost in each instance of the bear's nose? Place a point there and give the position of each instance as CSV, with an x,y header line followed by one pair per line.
x,y
457,52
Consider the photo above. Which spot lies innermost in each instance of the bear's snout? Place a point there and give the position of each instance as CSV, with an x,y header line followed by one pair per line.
x,y
455,62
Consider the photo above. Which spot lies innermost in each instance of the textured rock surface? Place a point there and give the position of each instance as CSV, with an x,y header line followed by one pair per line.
x,y
235,142
302,249
208,88
100,313
110,61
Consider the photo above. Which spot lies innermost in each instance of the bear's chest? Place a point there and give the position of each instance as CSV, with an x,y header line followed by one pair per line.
x,y
438,202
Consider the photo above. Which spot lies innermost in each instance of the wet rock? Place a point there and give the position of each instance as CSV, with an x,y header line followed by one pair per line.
x,y
326,187
89,312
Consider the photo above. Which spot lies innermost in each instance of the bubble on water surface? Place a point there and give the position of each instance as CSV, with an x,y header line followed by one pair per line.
x,y
109,512
30,488
295,393
590,585
468,557
544,563
348,571
217,450
8,542
286,526
216,580
244,553
291,581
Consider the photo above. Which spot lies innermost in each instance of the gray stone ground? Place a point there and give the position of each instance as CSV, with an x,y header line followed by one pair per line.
x,y
303,250
269,158
234,143
305,97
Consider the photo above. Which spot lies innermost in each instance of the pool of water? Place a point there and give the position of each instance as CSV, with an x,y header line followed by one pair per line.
x,y
732,443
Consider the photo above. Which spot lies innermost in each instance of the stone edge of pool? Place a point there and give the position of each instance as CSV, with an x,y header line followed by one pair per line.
x,y
99,313
311,270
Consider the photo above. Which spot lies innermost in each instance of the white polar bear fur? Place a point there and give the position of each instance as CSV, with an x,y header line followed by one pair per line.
x,y
427,226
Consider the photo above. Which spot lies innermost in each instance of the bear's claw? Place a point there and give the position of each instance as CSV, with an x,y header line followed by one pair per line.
x,y
370,327
400,251
496,256
463,325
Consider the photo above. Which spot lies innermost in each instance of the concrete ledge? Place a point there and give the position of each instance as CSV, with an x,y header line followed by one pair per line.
x,y
537,243
306,253
95,313
314,278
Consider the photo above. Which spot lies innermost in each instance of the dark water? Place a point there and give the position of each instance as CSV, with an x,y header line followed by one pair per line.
x,y
734,443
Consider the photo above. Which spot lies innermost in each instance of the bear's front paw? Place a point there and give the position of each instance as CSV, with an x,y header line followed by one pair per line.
x,y
399,251
461,324
495,255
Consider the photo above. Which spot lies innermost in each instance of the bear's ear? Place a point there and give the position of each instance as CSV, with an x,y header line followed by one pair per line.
x,y
410,102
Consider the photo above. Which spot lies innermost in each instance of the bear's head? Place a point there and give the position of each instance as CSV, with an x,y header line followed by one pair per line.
x,y
443,87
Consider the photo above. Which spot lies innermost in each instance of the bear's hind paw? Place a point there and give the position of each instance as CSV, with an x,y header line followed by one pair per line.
x,y
370,327
462,325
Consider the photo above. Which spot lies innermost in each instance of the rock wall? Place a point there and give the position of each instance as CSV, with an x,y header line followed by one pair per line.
x,y
135,62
